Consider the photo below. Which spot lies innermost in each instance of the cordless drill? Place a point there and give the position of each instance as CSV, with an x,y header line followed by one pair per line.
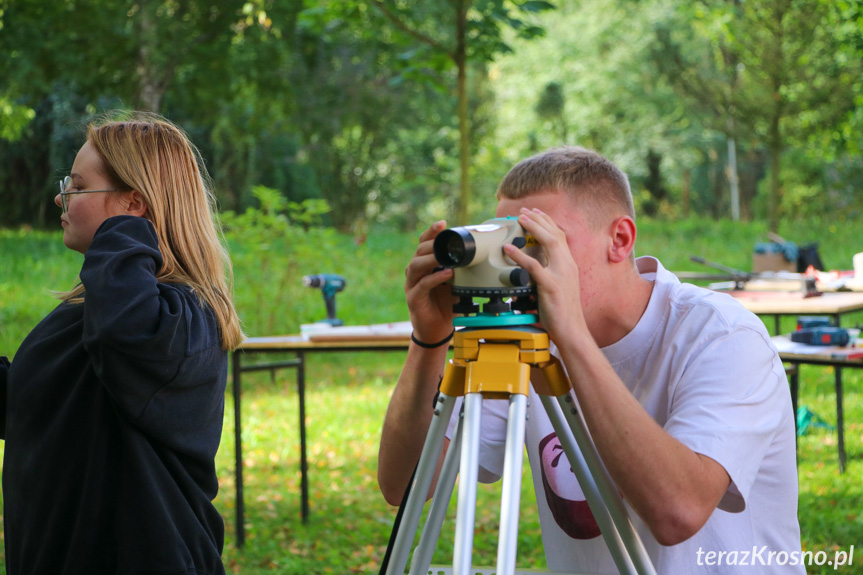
x,y
818,330
330,285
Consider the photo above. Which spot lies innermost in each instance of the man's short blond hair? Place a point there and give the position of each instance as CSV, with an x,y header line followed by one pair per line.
x,y
597,186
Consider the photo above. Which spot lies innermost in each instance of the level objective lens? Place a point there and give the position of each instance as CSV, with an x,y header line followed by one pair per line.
x,y
454,247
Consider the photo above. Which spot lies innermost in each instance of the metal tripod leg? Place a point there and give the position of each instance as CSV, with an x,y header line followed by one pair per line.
x,y
511,488
604,500
422,482
466,509
422,557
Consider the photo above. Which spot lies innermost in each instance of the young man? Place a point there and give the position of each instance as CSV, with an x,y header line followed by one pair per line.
x,y
680,388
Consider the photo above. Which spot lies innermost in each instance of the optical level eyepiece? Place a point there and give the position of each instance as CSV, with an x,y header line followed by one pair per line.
x,y
454,247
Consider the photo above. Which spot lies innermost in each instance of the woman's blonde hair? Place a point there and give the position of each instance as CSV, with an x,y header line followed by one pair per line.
x,y
149,154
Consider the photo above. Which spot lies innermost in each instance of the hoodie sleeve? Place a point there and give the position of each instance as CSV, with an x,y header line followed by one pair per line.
x,y
4,372
153,346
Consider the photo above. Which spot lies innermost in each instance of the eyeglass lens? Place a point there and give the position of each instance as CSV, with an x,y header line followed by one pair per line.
x,y
65,184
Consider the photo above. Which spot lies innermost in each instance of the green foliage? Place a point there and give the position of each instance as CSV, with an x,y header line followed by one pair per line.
x,y
489,19
472,34
13,119
272,247
359,122
35,264
770,73
355,101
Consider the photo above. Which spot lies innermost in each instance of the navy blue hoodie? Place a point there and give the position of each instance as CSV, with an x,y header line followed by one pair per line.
x,y
114,413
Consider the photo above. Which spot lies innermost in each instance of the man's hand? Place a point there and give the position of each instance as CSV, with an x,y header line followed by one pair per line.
x,y
429,300
558,283
410,410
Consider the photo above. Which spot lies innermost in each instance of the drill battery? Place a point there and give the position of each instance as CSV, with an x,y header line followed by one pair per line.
x,y
821,335
813,321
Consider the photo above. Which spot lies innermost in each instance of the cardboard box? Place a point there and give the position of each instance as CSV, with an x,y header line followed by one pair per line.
x,y
772,263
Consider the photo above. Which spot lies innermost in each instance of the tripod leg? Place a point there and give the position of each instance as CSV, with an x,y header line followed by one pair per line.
x,y
600,511
422,557
466,510
422,482
511,488
623,541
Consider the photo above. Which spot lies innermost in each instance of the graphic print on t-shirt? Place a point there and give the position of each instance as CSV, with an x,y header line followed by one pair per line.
x,y
563,493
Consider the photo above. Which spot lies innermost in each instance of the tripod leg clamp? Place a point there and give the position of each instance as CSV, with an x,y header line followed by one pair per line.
x,y
551,379
496,373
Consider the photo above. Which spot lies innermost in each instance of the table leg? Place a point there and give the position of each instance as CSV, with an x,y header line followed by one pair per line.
x,y
304,467
794,381
840,423
238,451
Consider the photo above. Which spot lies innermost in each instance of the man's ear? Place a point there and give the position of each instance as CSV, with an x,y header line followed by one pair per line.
x,y
134,204
622,236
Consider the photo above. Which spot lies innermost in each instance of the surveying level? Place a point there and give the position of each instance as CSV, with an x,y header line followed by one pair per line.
x,y
492,359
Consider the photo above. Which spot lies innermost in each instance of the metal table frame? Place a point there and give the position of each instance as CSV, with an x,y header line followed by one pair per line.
x,y
829,356
832,304
300,348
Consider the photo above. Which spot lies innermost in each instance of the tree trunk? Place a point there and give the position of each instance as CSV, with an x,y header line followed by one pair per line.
x,y
462,205
733,179
151,76
774,135
749,178
684,192
715,176
774,202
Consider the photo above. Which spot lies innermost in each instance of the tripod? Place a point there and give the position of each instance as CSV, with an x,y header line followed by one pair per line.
x,y
494,362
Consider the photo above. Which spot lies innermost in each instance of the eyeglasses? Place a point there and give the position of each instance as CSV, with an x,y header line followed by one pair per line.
x,y
66,183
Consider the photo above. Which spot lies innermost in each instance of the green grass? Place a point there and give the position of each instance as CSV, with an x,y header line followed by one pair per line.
x,y
347,395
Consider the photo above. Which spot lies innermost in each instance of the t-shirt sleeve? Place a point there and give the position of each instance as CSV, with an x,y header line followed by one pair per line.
x,y
728,406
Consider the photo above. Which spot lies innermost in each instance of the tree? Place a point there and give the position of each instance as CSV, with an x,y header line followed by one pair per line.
x,y
300,97
352,107
99,55
474,34
552,108
131,50
608,97
769,66
174,38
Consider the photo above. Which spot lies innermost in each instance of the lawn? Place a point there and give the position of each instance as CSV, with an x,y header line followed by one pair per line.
x,y
347,395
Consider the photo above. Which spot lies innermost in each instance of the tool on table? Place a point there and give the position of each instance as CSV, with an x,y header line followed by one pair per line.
x,y
330,285
739,278
819,330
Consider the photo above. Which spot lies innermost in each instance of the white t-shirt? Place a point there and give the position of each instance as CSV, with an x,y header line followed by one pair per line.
x,y
704,368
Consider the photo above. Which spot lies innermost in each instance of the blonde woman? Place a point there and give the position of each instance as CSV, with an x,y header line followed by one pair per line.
x,y
115,400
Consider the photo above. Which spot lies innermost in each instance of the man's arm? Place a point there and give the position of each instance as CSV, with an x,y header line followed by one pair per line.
x,y
410,409
407,421
672,488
